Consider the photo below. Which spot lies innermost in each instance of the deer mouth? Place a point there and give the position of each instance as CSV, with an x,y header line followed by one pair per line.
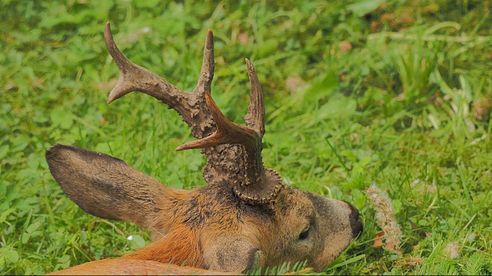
x,y
355,223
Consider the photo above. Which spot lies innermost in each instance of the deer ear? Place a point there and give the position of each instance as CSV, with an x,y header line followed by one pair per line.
x,y
105,186
232,254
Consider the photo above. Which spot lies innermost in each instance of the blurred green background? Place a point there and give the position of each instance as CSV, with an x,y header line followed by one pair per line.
x,y
392,92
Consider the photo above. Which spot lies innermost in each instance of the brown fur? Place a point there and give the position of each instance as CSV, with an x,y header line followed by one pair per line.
x,y
134,267
180,247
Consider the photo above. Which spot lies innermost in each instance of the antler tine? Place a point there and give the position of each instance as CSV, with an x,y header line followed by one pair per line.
x,y
136,78
255,118
227,132
207,70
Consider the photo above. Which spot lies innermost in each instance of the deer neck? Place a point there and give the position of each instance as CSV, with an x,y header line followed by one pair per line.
x,y
180,246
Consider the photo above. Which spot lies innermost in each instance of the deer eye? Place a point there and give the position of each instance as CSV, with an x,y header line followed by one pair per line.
x,y
305,233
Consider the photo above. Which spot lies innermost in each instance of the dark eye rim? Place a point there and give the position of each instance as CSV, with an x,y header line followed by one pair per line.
x,y
305,233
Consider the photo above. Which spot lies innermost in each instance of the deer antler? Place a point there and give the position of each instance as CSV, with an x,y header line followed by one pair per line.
x,y
238,161
136,78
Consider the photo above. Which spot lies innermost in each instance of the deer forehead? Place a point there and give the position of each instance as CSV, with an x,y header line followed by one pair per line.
x,y
294,203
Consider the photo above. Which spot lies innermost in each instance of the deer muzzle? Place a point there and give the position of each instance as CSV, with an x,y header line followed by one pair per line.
x,y
339,224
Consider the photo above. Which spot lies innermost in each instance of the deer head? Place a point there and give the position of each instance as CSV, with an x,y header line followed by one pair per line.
x,y
245,215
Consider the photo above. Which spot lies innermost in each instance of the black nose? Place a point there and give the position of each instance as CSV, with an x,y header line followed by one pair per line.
x,y
355,223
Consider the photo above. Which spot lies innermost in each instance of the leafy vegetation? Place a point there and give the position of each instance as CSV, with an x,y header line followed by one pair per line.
x,y
396,93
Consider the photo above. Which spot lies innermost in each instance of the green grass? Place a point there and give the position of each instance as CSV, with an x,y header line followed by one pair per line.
x,y
407,107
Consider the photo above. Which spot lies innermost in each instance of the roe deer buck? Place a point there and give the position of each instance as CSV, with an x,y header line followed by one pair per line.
x,y
244,217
